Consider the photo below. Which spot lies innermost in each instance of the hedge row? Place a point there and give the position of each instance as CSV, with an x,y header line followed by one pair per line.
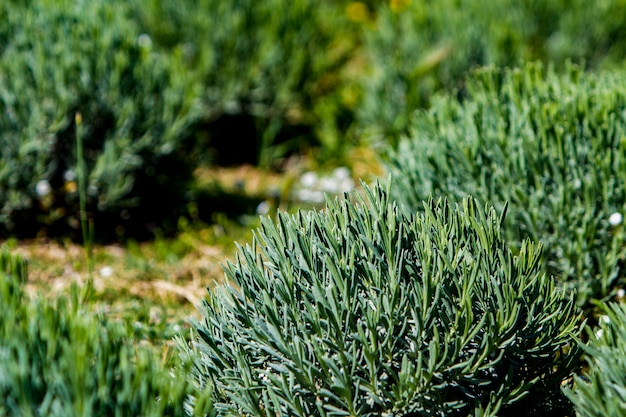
x,y
164,86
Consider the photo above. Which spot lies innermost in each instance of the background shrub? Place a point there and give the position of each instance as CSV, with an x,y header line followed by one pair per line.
x,y
550,145
601,392
418,47
57,359
264,67
367,309
60,58
163,86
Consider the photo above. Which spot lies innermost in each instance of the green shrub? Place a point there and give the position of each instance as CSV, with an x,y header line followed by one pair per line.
x,y
418,47
551,146
264,67
59,58
602,392
366,309
57,359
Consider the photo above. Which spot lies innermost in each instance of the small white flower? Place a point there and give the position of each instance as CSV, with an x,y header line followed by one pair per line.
x,y
106,271
43,188
620,293
615,219
264,375
144,40
577,184
599,333
605,319
308,179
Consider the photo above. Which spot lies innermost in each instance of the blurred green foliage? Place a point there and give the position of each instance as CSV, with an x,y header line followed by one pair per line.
x,y
13,265
551,146
365,309
58,359
60,58
165,86
160,88
264,67
416,48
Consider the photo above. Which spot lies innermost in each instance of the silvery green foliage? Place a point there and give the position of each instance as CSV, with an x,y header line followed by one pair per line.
x,y
550,145
367,309
602,392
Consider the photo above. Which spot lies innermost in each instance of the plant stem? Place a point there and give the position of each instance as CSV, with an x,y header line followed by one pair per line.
x,y
85,225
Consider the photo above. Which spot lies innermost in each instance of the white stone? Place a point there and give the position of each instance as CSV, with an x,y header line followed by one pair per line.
x,y
308,179
328,185
341,173
310,196
345,185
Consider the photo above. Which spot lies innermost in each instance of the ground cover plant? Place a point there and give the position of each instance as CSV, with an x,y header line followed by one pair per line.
x,y
59,359
367,309
550,146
